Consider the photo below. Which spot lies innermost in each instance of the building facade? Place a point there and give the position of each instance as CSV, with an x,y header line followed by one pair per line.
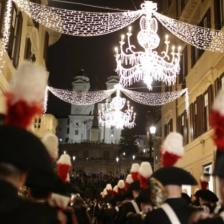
x,y
27,41
202,72
82,124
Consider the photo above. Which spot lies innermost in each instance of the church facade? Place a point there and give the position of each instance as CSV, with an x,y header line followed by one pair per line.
x,y
82,125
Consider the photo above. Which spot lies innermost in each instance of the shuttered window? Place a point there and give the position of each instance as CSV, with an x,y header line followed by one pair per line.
x,y
182,127
15,35
2,12
219,13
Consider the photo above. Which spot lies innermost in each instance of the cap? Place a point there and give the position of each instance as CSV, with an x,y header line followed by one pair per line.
x,y
206,195
174,176
134,171
64,166
23,150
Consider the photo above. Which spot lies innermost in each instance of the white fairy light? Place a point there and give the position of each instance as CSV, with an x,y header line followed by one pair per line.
x,y
5,32
111,114
81,98
147,65
200,37
78,23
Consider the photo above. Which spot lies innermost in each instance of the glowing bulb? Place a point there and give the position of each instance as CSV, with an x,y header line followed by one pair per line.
x,y
129,28
122,37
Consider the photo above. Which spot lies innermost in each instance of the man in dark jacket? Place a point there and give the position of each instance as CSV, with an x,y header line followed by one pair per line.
x,y
175,210
21,153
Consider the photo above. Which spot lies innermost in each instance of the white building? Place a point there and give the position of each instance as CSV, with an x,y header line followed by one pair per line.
x,y
81,125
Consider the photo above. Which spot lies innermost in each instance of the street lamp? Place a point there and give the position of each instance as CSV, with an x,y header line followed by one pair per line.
x,y
133,157
124,154
74,158
117,159
152,130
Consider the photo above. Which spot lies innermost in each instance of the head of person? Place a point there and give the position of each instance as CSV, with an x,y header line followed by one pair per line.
x,y
172,178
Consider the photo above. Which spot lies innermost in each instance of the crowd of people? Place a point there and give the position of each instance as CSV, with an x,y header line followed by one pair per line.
x,y
37,187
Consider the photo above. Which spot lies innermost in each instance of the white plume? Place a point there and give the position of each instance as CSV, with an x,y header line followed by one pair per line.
x,y
121,184
65,159
129,179
50,141
108,187
145,169
174,144
29,82
134,168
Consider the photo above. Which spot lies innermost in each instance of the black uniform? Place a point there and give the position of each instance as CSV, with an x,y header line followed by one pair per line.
x,y
14,209
180,207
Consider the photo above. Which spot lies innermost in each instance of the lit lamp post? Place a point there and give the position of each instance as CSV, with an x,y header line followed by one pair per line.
x,y
152,132
118,165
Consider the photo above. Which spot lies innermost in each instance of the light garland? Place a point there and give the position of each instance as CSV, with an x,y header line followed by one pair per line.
x,y
5,33
81,98
92,97
200,37
153,99
111,114
77,23
147,65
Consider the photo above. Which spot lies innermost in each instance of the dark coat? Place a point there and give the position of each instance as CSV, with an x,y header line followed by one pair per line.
x,y
180,207
14,209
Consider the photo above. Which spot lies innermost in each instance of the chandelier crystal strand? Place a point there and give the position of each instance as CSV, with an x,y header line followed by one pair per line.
x,y
147,65
78,23
5,33
154,99
111,114
81,98
200,37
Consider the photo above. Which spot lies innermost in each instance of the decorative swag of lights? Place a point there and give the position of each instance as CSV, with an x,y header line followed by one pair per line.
x,y
114,114
82,23
92,97
147,65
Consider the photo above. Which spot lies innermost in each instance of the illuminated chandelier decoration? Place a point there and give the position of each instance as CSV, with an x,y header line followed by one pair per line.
x,y
147,65
111,114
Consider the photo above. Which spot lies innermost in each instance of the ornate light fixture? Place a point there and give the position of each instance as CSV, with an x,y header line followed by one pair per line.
x,y
111,114
147,65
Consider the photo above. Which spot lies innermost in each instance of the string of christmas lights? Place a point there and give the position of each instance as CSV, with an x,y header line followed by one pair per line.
x,y
92,97
200,37
77,23
81,98
153,99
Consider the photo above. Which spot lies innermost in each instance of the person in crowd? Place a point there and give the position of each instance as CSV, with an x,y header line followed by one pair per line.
x,y
21,154
175,210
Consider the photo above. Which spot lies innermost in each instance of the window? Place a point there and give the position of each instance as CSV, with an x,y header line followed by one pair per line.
x,y
183,67
67,130
76,132
15,35
2,11
28,52
180,4
46,42
182,126
37,122
206,112
219,13
207,169
168,127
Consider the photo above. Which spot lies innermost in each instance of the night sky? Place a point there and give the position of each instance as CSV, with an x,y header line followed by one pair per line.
x,y
95,55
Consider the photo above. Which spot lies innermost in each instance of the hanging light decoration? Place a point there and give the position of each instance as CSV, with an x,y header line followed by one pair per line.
x,y
147,65
111,114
